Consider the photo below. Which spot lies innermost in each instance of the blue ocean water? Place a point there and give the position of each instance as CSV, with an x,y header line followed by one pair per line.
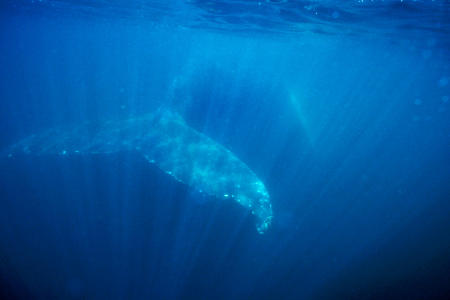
x,y
341,108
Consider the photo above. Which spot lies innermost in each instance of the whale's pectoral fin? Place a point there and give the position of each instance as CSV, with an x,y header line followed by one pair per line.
x,y
165,140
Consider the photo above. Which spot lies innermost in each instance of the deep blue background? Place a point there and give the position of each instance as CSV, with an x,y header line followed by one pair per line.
x,y
350,134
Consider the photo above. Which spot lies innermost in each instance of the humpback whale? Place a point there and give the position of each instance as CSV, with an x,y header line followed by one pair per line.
x,y
164,139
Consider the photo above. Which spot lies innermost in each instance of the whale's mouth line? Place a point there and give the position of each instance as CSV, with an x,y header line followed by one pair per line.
x,y
165,140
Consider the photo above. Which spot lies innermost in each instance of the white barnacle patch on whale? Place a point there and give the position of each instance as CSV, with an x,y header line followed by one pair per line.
x,y
165,140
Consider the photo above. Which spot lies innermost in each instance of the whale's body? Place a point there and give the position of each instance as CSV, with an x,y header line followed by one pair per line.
x,y
164,139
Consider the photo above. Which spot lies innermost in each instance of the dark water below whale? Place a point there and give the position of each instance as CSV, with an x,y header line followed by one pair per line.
x,y
341,108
